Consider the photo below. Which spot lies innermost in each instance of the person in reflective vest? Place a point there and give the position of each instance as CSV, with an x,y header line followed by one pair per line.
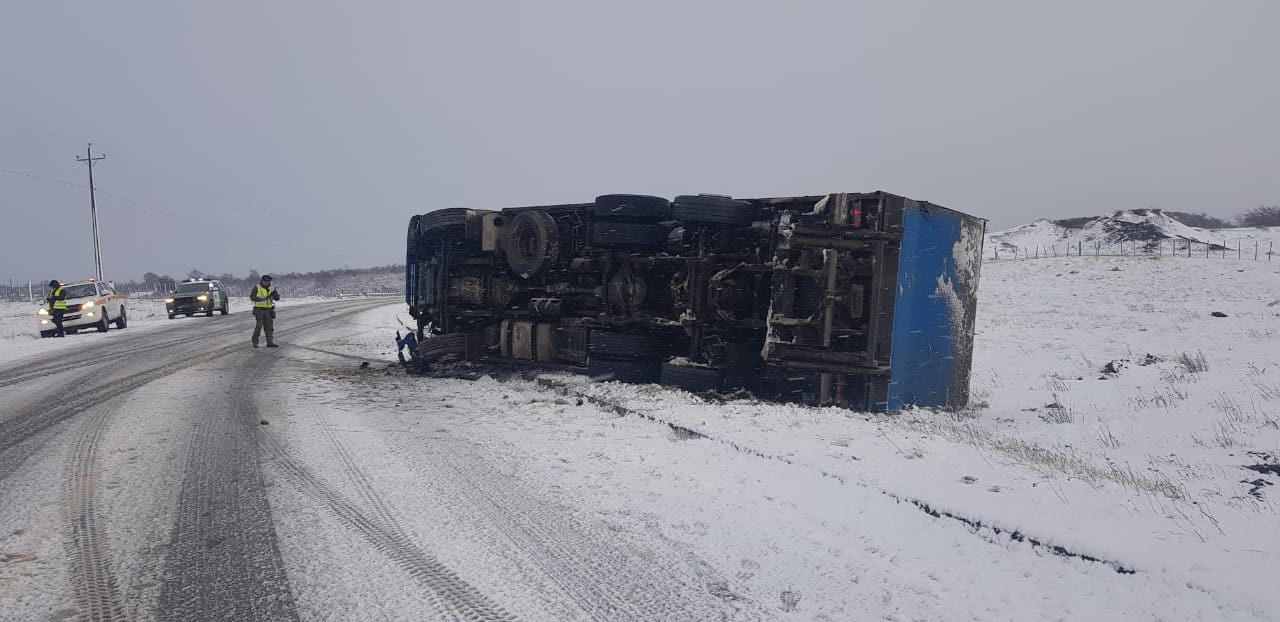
x,y
264,298
57,300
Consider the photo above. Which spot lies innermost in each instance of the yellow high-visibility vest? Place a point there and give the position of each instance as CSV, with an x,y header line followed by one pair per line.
x,y
61,303
265,294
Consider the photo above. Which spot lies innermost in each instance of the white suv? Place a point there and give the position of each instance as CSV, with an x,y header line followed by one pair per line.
x,y
89,304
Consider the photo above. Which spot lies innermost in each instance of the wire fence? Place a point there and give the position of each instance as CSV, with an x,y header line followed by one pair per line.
x,y
1256,250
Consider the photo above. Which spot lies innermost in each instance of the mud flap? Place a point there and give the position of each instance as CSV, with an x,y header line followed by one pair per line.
x,y
409,341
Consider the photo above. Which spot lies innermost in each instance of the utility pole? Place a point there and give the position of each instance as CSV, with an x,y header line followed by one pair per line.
x,y
93,206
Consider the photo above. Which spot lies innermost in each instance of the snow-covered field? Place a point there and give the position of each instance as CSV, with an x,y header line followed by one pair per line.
x,y
1114,419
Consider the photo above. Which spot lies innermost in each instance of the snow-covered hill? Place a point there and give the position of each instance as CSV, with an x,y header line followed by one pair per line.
x,y
1147,229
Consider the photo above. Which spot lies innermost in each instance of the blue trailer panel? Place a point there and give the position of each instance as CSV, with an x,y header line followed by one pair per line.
x,y
934,308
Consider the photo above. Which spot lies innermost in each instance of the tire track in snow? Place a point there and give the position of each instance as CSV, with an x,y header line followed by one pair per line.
x,y
606,578
451,596
92,573
224,562
93,387
95,356
586,563
975,525
85,393
596,569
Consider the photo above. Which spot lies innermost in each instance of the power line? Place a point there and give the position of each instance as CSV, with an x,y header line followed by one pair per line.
x,y
176,216
219,229
49,179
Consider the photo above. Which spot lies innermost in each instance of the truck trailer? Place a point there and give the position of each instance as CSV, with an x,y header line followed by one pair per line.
x,y
863,300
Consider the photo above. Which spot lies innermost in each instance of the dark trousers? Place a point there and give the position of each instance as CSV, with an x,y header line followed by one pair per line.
x,y
56,315
265,321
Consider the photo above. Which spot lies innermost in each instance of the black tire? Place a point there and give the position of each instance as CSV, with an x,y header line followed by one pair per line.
x,y
450,347
634,371
442,219
209,313
171,316
123,320
411,241
692,378
633,206
45,334
624,346
104,324
625,234
225,310
532,243
713,209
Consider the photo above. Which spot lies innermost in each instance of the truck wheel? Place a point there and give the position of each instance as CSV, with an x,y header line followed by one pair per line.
x,y
447,348
209,313
104,324
614,234
634,371
692,378
627,345
532,243
635,206
171,316
45,334
123,320
224,308
442,219
713,209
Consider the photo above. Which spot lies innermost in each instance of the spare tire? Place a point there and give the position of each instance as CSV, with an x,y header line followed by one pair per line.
x,y
713,209
635,206
532,243
627,234
691,377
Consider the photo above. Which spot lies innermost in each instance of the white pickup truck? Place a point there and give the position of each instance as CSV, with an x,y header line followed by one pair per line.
x,y
89,304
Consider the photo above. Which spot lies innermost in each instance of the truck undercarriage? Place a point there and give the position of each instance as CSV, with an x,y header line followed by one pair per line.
x,y
791,298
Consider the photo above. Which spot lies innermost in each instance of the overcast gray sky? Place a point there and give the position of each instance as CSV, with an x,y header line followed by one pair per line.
x,y
302,135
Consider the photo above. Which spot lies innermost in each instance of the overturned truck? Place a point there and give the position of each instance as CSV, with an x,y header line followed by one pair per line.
x,y
861,300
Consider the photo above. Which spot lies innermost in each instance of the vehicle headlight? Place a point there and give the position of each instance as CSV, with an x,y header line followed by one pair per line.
x,y
87,305
42,312
202,297
168,300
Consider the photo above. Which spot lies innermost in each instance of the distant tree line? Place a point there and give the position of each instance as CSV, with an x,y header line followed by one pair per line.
x,y
324,278
1261,216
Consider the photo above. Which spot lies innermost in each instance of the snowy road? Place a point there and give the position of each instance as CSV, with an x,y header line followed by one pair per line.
x,y
178,474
